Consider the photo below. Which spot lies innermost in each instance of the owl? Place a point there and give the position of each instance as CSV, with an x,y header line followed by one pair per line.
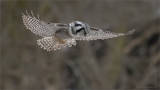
x,y
58,35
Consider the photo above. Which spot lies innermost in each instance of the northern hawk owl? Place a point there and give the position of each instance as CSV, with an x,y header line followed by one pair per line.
x,y
59,35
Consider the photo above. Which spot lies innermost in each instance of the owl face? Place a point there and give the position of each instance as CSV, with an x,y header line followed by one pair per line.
x,y
79,28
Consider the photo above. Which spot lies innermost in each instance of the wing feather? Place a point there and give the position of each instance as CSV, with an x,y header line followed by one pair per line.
x,y
39,27
95,34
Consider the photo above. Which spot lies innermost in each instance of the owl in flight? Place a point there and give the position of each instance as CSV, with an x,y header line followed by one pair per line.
x,y
58,35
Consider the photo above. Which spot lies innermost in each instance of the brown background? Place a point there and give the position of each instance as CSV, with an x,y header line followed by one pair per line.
x,y
128,62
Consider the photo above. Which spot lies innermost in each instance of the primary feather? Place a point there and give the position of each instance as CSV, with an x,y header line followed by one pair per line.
x,y
39,27
96,33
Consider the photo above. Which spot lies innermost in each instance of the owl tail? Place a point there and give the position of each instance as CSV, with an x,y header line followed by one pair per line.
x,y
47,43
50,43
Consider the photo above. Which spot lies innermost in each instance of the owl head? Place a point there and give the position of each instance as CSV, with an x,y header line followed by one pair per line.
x,y
79,28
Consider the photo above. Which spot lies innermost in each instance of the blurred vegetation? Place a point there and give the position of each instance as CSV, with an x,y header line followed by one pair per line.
x,y
129,62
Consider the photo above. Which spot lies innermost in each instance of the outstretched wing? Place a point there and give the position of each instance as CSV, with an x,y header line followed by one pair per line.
x,y
50,43
39,27
96,33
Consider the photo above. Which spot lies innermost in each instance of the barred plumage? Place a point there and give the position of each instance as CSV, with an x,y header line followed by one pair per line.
x,y
99,34
39,27
58,35
50,43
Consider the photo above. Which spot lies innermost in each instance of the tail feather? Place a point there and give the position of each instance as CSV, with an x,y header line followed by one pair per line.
x,y
46,43
50,43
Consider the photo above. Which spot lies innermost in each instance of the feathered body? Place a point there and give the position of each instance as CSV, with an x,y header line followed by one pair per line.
x,y
58,35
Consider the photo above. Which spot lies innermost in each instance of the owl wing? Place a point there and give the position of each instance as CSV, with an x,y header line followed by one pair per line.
x,y
96,33
50,43
39,27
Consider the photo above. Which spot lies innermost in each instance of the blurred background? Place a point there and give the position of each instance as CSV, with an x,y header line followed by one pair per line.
x,y
128,62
